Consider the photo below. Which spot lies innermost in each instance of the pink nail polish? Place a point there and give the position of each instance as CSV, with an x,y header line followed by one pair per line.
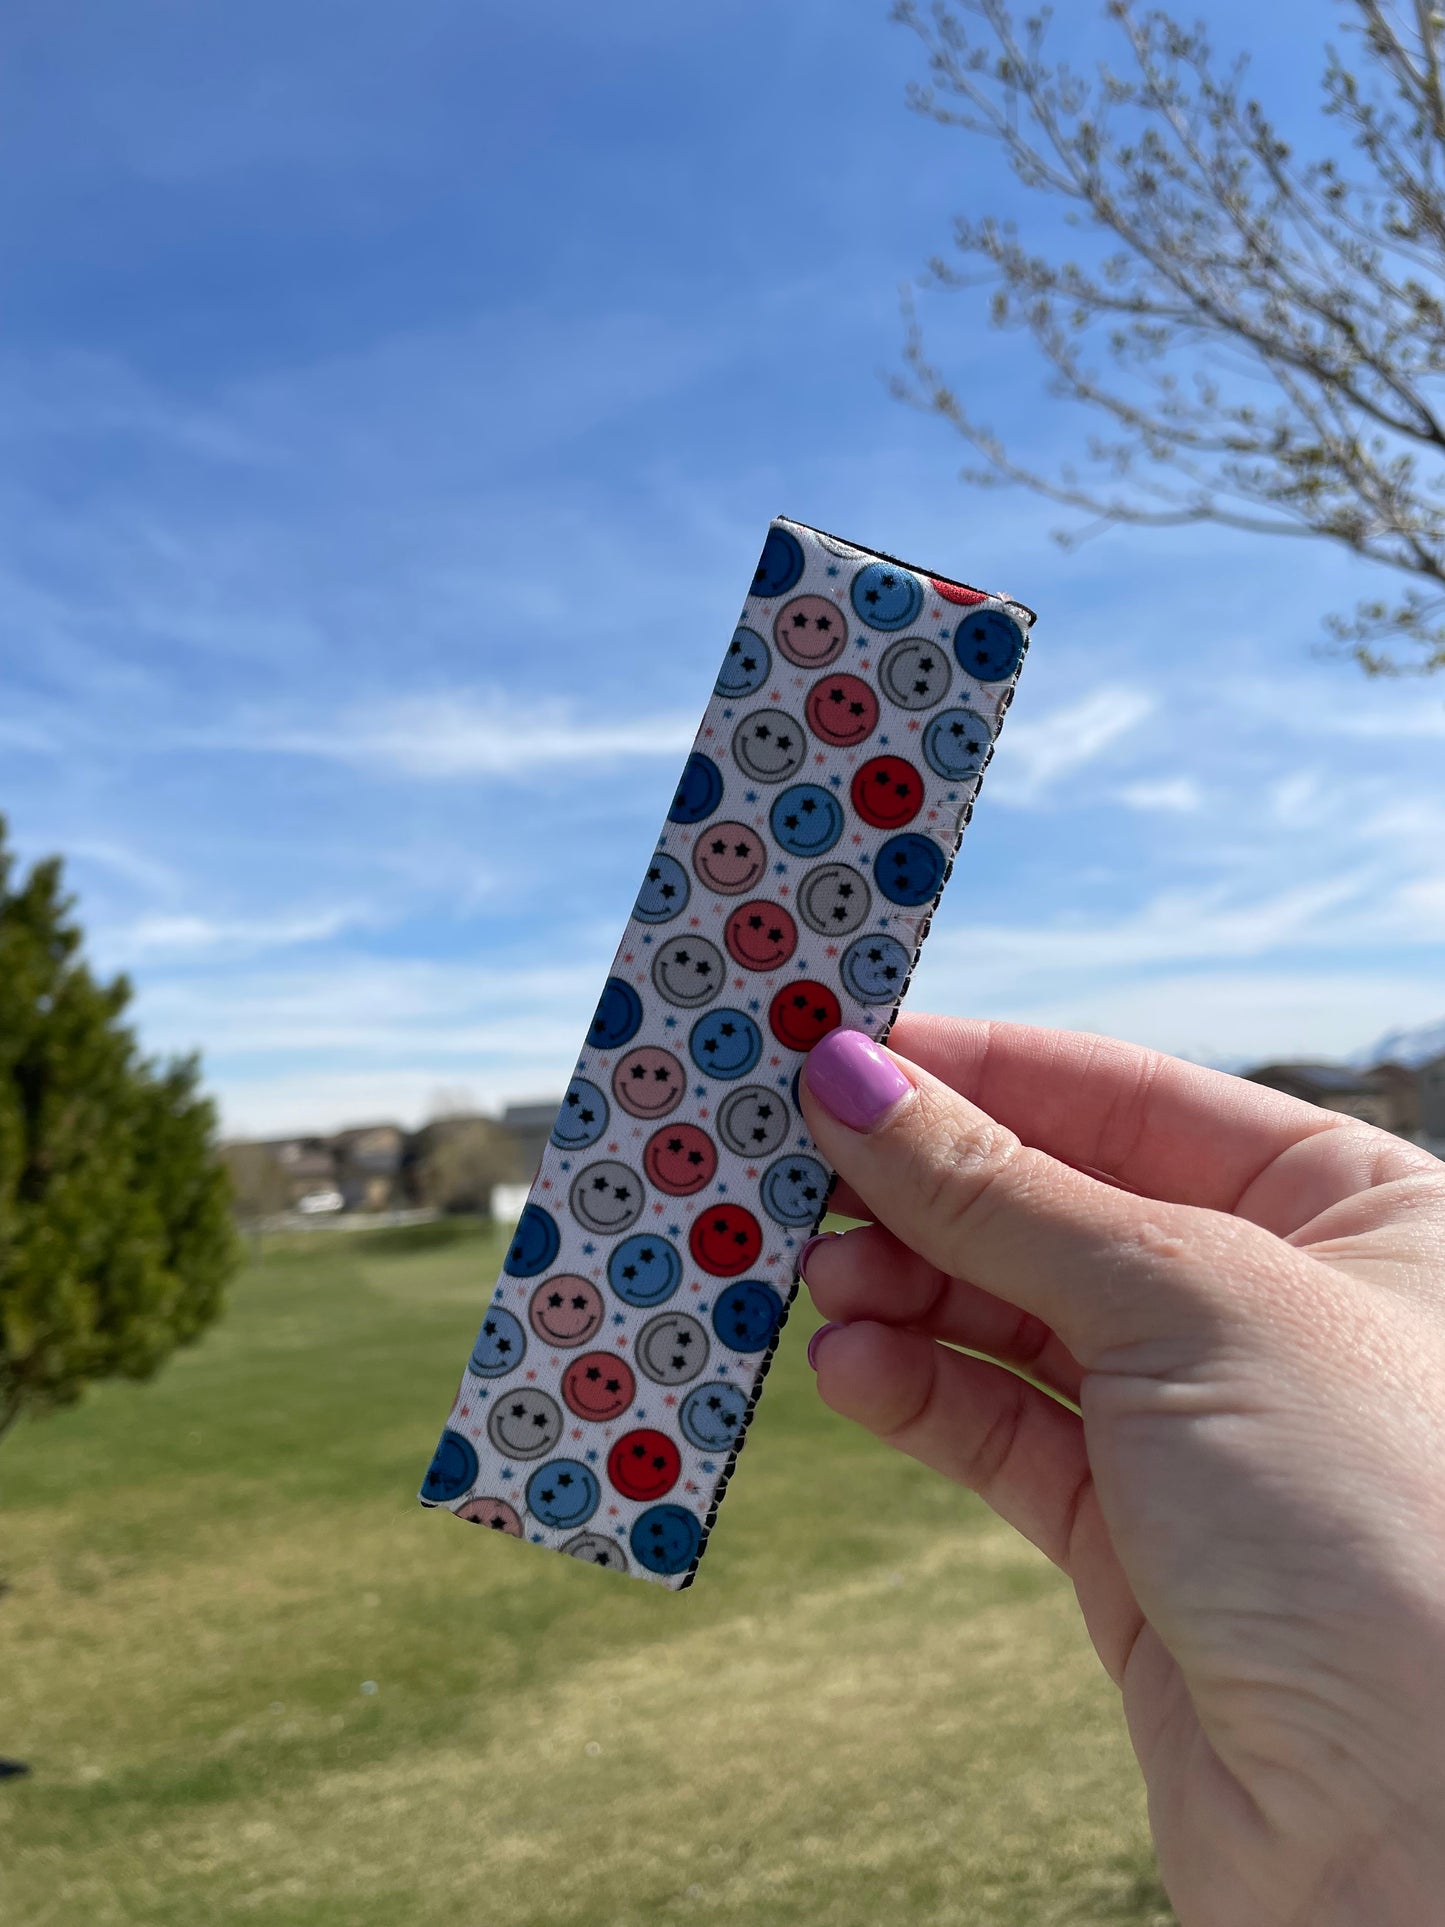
x,y
816,1340
853,1079
818,1238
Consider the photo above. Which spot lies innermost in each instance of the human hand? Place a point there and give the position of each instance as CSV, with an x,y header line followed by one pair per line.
x,y
1244,1298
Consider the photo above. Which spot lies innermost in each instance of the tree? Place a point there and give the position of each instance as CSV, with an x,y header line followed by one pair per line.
x,y
115,1226
457,1160
1263,334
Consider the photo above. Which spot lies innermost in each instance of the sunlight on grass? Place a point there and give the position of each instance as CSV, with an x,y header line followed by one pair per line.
x,y
256,1682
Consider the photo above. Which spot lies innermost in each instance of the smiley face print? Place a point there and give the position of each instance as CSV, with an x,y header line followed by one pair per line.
x,y
794,1191
644,1464
501,1345
699,792
566,1311
915,674
806,820
688,971
582,1118
712,1415
746,666
761,936
753,1121
644,1270
956,744
665,891
769,746
495,1514
803,1012
989,645
453,1470
887,792
834,900
886,596
524,1423
782,564
725,1043
725,1239
875,968
729,858
649,1082
595,1550
747,1316
618,1018
535,1243
680,1159
909,869
671,1348
563,1494
598,1386
810,631
841,711
665,1539
606,1197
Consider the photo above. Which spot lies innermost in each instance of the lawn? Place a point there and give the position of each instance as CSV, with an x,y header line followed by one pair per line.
x,y
257,1683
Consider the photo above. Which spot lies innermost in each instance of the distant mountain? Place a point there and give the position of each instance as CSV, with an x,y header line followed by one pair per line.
x,y
1410,1047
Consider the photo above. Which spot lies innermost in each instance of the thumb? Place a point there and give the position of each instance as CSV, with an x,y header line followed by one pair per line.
x,y
1107,1270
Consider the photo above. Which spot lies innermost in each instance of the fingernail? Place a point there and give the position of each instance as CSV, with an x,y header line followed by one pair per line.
x,y
816,1340
853,1079
818,1238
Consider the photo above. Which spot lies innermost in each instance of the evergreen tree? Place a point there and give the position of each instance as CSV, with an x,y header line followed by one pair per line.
x,y
116,1238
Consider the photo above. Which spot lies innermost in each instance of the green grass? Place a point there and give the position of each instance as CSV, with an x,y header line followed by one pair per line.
x,y
875,1706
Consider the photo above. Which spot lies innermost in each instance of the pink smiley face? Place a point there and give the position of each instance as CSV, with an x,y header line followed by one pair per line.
x,y
810,631
566,1310
648,1082
841,710
729,858
495,1513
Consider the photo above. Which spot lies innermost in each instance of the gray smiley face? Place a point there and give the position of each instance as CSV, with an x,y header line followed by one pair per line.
x,y
606,1197
914,674
689,971
671,1348
753,1121
594,1550
525,1424
769,746
834,900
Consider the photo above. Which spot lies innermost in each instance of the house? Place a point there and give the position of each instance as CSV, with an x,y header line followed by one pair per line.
x,y
1431,1076
1375,1096
530,1127
369,1160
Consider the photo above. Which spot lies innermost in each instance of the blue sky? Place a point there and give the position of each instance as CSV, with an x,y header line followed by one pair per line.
x,y
391,408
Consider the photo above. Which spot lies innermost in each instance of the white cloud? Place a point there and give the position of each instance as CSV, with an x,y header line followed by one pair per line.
x,y
471,735
190,935
1166,796
1036,752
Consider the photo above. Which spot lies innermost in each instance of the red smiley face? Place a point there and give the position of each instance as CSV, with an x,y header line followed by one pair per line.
x,y
761,936
955,592
725,1240
841,710
644,1465
680,1159
802,1013
887,792
598,1386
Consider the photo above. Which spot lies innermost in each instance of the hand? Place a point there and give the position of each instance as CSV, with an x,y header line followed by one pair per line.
x,y
1242,1299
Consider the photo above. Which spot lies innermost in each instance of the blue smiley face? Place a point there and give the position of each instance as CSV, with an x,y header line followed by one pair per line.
x,y
909,869
644,1270
582,1118
956,744
746,1316
665,1539
665,891
725,1043
794,1190
989,645
699,792
874,969
564,1493
535,1243
807,820
501,1344
619,1016
452,1472
885,596
780,567
746,666
712,1416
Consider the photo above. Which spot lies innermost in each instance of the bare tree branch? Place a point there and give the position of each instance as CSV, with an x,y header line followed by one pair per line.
x,y
1264,334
